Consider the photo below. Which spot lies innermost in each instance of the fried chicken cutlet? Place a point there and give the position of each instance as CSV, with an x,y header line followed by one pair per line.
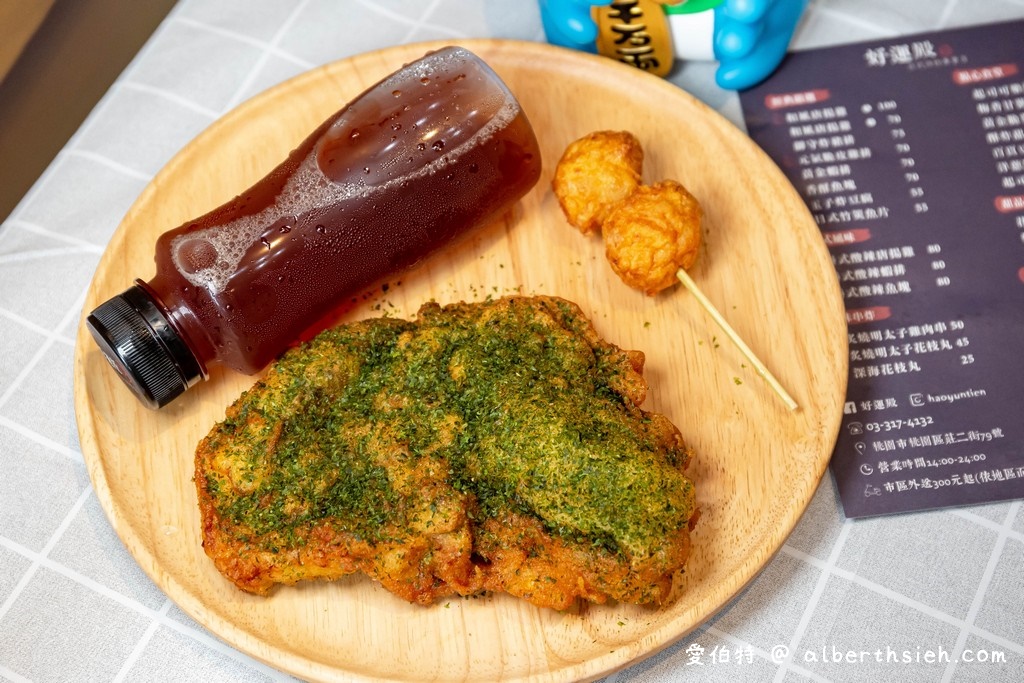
x,y
495,446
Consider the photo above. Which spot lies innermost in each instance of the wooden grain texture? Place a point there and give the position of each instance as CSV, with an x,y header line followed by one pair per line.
x,y
764,265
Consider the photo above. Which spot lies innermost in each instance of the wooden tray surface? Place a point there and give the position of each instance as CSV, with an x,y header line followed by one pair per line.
x,y
764,264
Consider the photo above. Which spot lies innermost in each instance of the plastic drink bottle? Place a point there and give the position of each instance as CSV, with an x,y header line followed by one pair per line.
x,y
431,151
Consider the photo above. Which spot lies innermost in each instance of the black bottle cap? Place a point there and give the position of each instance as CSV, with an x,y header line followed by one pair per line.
x,y
144,348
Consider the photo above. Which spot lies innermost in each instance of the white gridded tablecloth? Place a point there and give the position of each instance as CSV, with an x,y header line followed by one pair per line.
x,y
74,606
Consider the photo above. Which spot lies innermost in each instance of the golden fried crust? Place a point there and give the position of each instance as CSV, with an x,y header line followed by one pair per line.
x,y
529,563
418,567
652,234
306,480
596,172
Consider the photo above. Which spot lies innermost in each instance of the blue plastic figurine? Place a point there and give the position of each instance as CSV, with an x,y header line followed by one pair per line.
x,y
748,38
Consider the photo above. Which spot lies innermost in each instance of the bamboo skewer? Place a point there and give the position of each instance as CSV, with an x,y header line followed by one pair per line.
x,y
762,370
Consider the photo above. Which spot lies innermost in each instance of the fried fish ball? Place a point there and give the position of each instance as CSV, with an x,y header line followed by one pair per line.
x,y
595,173
652,234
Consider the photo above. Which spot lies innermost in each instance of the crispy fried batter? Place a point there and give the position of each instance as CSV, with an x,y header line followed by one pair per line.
x,y
652,234
596,172
496,446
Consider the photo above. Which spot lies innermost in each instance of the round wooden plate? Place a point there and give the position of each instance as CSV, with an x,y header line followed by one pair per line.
x,y
764,265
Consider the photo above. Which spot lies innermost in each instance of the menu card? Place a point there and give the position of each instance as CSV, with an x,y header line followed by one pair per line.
x,y
910,155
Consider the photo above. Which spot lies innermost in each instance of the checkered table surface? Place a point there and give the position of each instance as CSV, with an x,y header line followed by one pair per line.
x,y
938,587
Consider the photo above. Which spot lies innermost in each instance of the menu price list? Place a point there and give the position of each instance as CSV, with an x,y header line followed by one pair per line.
x,y
909,153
